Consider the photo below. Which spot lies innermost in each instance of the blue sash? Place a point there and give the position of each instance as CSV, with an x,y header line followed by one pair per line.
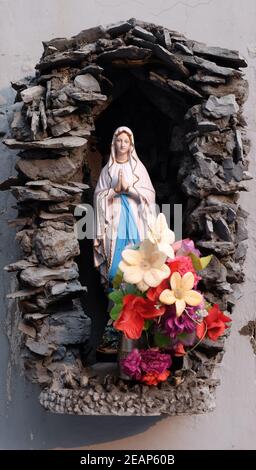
x,y
127,233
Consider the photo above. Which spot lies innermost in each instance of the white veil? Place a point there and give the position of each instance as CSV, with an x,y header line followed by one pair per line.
x,y
107,207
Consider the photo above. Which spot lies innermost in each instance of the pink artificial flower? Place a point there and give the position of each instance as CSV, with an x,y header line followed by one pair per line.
x,y
147,365
182,265
184,247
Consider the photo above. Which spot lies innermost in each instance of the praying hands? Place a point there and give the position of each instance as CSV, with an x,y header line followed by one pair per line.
x,y
122,185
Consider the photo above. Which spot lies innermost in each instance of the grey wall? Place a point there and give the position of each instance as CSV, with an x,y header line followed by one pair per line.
x,y
23,423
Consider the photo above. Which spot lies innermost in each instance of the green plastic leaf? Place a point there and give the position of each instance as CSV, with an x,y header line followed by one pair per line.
x,y
182,336
200,263
161,340
118,279
147,324
205,261
114,312
116,296
132,289
208,306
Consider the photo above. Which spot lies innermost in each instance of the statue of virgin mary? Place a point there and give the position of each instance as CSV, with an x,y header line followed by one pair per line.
x,y
124,201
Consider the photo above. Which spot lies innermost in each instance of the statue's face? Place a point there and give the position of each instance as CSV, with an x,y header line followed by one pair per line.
x,y
123,144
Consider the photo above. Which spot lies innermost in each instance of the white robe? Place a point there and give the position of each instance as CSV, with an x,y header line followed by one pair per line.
x,y
107,206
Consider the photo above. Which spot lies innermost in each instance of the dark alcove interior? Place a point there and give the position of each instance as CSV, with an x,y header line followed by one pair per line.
x,y
159,145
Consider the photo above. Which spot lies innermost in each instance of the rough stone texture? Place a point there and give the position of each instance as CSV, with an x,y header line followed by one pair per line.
x,y
47,193
175,85
219,53
63,142
125,53
171,61
207,66
221,107
39,276
250,330
144,34
234,86
61,329
200,91
117,28
66,58
115,397
55,247
57,170
87,83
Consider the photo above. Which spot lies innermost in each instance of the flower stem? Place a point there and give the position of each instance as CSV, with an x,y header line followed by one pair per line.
x,y
201,339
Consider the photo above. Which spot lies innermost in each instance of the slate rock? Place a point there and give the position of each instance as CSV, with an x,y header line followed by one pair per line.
x,y
143,34
59,170
231,215
235,86
171,60
228,56
128,53
56,291
20,128
210,67
214,272
221,228
139,42
19,265
66,58
55,247
220,248
40,275
221,107
201,77
207,126
87,83
69,327
206,167
51,143
114,29
83,96
25,194
241,229
94,70
32,93
241,251
217,145
234,272
239,145
179,46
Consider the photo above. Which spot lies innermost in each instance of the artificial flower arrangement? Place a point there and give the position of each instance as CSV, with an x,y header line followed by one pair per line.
x,y
156,294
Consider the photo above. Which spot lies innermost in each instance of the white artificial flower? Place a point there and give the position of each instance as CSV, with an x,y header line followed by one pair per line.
x,y
160,234
144,267
182,292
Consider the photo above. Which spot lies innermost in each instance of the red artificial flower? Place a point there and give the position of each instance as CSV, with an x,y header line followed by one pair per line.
x,y
129,321
179,350
153,293
135,311
153,378
182,265
215,322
